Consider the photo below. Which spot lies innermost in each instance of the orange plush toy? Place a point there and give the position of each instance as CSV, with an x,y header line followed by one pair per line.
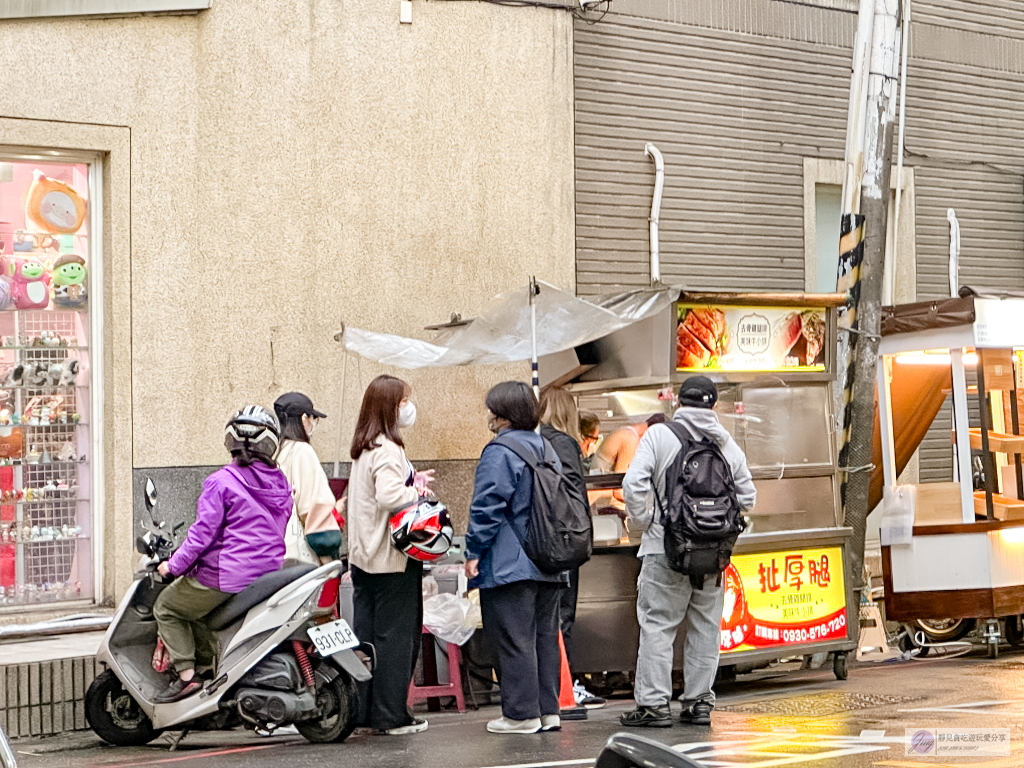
x,y
53,206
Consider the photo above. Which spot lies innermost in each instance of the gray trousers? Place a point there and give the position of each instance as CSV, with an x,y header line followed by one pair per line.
x,y
666,599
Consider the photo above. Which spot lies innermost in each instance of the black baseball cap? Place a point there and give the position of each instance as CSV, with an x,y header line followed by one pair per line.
x,y
296,404
698,392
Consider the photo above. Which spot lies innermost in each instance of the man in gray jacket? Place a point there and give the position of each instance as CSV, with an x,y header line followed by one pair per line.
x,y
666,598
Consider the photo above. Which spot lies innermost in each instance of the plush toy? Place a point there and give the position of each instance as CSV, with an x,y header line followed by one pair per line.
x,y
69,373
69,281
53,206
36,374
55,374
30,284
13,377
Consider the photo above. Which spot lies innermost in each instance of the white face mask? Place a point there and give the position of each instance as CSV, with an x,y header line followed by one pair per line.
x,y
406,415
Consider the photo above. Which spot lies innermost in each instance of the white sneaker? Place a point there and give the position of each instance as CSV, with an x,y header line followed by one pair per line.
x,y
416,726
585,698
550,723
507,725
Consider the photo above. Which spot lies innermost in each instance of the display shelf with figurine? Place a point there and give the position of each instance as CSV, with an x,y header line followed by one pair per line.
x,y
45,400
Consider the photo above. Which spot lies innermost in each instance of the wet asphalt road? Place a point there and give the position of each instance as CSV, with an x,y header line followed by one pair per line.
x,y
772,718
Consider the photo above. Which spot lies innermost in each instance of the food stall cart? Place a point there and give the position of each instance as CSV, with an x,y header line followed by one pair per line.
x,y
950,552
789,591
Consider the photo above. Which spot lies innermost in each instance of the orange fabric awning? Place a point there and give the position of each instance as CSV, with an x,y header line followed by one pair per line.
x,y
918,392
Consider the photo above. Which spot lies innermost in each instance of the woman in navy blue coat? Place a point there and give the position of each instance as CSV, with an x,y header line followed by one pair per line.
x,y
519,603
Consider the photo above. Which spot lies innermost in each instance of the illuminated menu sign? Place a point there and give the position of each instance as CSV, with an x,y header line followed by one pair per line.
x,y
727,338
792,597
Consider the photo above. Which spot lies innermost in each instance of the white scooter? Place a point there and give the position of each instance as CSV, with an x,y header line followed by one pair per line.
x,y
283,658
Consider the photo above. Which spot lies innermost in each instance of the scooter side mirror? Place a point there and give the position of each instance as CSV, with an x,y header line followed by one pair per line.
x,y
141,546
150,494
626,750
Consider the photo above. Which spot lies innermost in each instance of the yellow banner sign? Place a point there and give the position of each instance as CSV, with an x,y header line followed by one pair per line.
x,y
791,597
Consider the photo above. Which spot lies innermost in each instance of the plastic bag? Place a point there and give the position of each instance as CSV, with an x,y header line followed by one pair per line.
x,y
899,503
430,587
450,618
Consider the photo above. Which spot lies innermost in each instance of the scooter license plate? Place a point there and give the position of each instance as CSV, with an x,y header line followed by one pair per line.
x,y
333,637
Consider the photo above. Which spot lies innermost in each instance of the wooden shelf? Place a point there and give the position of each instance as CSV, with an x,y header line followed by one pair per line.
x,y
999,442
1003,507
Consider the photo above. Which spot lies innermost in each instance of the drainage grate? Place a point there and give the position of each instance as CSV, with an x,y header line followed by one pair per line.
x,y
818,704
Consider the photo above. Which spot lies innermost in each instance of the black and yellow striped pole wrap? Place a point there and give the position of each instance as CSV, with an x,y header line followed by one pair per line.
x,y
851,256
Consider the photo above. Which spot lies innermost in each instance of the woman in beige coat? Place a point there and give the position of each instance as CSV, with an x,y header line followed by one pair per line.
x,y
387,590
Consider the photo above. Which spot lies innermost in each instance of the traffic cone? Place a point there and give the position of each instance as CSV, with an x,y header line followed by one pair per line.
x,y
566,699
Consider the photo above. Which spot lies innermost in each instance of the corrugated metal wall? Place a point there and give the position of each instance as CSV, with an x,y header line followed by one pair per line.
x,y
734,116
736,93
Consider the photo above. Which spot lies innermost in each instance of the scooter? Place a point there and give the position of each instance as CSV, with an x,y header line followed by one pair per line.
x,y
284,657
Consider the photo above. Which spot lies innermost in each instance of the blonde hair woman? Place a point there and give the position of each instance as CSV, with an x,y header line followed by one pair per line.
x,y
560,426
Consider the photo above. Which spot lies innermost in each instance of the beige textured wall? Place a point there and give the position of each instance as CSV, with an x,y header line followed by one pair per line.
x,y
283,165
299,162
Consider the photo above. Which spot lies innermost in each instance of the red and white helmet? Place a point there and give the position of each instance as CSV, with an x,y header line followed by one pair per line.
x,y
422,530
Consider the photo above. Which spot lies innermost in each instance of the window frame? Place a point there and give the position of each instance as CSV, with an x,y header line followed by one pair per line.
x,y
828,171
41,9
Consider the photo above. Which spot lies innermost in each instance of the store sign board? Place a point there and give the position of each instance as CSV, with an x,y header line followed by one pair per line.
x,y
791,597
997,322
29,9
727,338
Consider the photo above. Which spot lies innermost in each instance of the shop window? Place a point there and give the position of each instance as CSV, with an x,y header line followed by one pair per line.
x,y
48,245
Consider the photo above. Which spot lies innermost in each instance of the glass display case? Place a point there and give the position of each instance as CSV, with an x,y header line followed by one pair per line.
x,y
46,445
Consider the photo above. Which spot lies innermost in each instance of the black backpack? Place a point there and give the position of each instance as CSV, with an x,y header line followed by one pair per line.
x,y
560,533
700,512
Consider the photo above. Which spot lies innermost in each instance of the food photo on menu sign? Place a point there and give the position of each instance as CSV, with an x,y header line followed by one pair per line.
x,y
750,338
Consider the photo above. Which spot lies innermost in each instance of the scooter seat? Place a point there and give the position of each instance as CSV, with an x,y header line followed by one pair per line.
x,y
235,608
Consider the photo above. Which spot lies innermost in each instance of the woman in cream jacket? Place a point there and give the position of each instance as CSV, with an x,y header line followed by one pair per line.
x,y
313,534
387,590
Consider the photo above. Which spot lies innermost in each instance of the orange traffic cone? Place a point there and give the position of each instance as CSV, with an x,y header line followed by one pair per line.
x,y
566,699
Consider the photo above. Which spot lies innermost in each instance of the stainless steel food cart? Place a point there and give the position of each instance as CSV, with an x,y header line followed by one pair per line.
x,y
789,591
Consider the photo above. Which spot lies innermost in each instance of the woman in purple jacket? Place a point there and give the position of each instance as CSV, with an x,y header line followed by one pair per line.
x,y
237,537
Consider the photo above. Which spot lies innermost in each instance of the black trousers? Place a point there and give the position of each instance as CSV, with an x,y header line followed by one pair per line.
x,y
521,627
388,612
567,612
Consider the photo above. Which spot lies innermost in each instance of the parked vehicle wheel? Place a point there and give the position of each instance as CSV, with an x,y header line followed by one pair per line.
x,y
944,630
338,703
839,666
114,715
1012,631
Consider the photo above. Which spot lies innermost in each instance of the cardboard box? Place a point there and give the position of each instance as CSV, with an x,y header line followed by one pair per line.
x,y
937,504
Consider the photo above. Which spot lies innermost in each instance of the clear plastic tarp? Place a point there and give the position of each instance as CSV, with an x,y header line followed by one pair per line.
x,y
503,333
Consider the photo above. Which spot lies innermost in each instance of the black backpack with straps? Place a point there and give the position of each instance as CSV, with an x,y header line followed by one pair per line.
x,y
560,533
700,512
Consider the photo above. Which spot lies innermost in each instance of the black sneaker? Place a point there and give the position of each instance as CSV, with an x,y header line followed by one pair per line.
x,y
698,714
178,690
647,717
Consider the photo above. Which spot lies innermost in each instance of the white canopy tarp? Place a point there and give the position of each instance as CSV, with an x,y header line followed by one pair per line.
x,y
502,334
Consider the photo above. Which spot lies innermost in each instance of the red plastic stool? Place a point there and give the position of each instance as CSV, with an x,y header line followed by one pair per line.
x,y
451,688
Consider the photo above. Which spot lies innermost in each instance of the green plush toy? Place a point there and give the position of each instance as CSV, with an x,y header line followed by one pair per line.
x,y
69,281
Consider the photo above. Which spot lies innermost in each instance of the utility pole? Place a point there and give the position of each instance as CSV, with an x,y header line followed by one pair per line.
x,y
865,219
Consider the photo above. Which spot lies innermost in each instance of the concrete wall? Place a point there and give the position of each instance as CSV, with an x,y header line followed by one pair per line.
x,y
289,165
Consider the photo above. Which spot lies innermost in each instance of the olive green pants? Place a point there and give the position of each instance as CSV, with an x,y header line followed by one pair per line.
x,y
179,613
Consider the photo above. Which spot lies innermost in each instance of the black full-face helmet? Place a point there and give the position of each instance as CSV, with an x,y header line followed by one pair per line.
x,y
255,430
